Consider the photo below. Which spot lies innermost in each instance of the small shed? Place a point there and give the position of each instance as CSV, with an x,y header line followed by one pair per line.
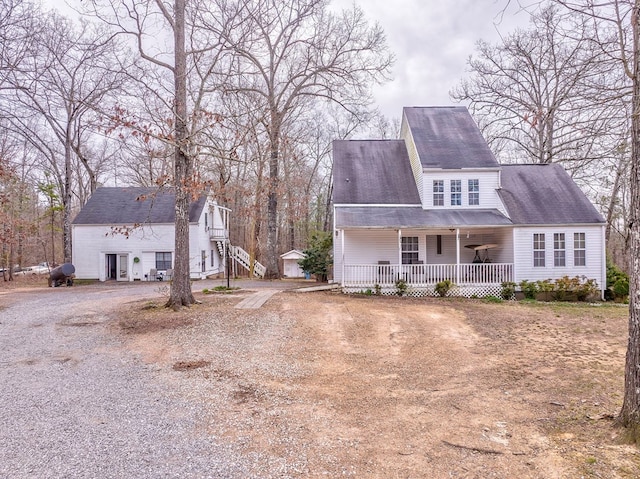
x,y
291,267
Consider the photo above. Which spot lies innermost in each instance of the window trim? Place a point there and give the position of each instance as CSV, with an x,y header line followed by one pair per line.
x,y
161,262
410,254
559,250
438,192
580,249
539,246
473,188
456,192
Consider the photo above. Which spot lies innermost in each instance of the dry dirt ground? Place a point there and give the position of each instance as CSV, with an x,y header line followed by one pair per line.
x,y
328,385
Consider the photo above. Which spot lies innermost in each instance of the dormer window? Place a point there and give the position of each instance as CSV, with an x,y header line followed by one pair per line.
x,y
456,192
474,192
438,192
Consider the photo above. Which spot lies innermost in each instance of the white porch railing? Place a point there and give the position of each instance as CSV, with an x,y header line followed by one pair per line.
x,y
426,275
218,234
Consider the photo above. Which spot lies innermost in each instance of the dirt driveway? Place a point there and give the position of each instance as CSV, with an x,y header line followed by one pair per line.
x,y
326,385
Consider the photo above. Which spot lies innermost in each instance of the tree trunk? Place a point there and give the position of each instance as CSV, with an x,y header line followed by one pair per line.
x,y
629,416
66,200
273,270
180,294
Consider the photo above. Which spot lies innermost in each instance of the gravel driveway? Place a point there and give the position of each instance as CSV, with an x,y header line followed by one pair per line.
x,y
74,403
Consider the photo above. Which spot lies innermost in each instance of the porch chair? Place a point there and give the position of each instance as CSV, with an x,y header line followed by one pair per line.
x,y
152,274
169,274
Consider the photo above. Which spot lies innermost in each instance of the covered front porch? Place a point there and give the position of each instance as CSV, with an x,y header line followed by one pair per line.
x,y
476,260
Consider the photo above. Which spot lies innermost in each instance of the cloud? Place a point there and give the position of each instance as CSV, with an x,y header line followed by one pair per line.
x,y
432,40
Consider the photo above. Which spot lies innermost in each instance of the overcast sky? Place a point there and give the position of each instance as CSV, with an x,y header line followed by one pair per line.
x,y
431,39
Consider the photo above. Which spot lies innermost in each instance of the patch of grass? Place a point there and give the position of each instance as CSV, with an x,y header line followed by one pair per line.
x,y
83,282
492,299
220,289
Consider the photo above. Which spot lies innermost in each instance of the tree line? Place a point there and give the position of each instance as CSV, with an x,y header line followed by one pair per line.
x,y
242,97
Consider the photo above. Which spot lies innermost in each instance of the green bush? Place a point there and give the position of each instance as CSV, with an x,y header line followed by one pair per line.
x,y
545,285
401,287
443,287
617,283
508,290
317,259
621,288
529,289
587,289
565,286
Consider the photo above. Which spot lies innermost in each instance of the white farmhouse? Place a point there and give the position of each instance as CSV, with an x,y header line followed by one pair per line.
x,y
437,205
128,234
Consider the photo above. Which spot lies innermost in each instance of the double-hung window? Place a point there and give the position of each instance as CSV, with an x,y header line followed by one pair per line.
x,y
474,192
538,250
163,260
438,192
409,249
579,249
559,251
456,192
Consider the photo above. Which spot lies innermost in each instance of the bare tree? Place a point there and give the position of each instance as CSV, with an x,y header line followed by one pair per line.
x,y
292,54
620,20
542,94
52,96
174,116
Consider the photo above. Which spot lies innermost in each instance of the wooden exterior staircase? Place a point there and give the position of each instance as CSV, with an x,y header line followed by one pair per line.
x,y
236,253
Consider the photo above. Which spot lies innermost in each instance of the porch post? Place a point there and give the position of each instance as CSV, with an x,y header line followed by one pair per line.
x,y
341,233
457,255
399,253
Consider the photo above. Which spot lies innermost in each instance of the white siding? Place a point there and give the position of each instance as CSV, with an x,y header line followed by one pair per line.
x,y
502,253
488,182
416,165
523,251
92,242
364,247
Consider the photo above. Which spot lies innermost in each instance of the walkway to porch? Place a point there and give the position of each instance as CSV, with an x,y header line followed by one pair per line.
x,y
476,279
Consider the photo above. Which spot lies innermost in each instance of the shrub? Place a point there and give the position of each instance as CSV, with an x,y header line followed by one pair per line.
x,y
443,287
401,287
587,289
617,283
621,288
508,290
378,289
317,259
529,289
565,286
545,285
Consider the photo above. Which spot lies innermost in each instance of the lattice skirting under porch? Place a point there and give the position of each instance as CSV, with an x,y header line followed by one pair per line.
x,y
466,291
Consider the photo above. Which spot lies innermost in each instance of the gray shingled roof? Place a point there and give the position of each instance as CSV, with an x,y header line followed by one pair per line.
x,y
447,137
132,205
416,217
373,172
544,195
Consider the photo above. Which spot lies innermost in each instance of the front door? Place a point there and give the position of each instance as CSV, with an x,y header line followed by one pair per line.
x,y
111,266
123,267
